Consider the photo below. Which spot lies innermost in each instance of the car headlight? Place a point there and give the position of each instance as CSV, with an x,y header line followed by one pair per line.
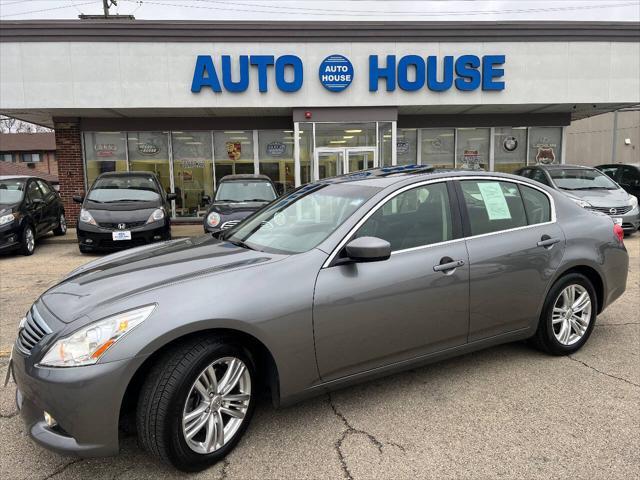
x,y
582,203
633,202
4,219
213,219
86,217
87,345
157,215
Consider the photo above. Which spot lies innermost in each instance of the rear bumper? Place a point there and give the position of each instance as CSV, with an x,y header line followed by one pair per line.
x,y
96,238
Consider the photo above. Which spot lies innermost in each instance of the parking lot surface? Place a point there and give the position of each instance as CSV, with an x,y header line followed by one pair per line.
x,y
507,412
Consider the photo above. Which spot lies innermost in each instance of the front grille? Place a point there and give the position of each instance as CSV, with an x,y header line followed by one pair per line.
x,y
33,330
229,224
114,226
613,210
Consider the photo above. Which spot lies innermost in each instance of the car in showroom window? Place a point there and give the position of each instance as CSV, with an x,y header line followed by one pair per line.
x,y
350,278
121,210
29,209
591,189
237,197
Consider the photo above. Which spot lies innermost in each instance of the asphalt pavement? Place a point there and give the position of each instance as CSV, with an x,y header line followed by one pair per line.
x,y
508,412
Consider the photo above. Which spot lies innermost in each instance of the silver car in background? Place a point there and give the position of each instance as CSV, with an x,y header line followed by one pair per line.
x,y
589,188
340,281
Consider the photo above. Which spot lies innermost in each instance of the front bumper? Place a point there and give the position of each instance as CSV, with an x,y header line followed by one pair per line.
x,y
10,236
631,221
85,401
91,237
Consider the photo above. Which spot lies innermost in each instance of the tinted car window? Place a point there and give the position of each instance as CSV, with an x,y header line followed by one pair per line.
x,y
242,191
45,188
11,190
525,172
493,206
133,188
417,217
611,172
539,176
629,176
33,192
536,205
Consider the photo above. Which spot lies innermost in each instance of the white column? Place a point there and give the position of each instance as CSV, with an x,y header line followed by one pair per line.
x,y
172,185
491,150
256,153
296,154
419,146
563,149
394,141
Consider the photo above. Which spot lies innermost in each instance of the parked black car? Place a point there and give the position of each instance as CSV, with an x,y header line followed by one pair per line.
x,y
627,176
29,208
122,210
237,197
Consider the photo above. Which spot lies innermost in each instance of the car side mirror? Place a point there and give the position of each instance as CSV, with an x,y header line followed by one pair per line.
x,y
206,199
78,198
171,196
368,249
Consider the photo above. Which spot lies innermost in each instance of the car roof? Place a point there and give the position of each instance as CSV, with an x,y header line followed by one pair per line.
x,y
15,177
126,174
557,166
244,176
605,165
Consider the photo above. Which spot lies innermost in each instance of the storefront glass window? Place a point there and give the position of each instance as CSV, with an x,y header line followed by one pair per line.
x,y
384,147
149,152
406,146
192,172
234,153
510,149
305,141
473,148
346,134
438,147
545,145
104,152
275,153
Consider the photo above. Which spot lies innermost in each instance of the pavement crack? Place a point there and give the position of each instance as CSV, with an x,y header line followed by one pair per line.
x,y
9,415
616,324
62,468
351,430
225,468
601,372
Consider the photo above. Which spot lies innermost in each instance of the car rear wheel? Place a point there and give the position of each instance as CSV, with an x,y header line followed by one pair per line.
x,y
61,229
28,243
196,403
568,316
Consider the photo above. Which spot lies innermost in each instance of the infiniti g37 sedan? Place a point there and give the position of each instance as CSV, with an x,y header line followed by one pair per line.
x,y
341,280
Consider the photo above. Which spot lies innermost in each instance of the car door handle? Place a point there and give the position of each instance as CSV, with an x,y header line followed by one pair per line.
x,y
443,267
547,241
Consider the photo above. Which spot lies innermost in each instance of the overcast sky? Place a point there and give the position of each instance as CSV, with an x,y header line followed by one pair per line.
x,y
328,10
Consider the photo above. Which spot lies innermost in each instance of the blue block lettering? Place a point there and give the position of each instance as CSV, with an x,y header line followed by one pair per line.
x,y
204,75
490,73
388,73
242,84
262,62
467,71
289,61
403,79
432,74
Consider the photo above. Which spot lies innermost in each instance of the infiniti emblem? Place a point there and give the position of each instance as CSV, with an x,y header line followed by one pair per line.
x,y
122,226
613,211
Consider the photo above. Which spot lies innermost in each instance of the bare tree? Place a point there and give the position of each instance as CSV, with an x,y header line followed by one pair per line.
x,y
13,125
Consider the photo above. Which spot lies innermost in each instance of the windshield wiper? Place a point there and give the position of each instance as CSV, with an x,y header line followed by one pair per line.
x,y
592,188
240,243
258,200
125,200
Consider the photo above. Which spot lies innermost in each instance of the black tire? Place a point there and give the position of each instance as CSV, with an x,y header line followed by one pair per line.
x,y
61,229
165,391
27,248
544,338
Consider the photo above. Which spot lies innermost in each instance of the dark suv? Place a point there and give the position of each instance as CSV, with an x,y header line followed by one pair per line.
x,y
29,208
123,209
237,197
627,176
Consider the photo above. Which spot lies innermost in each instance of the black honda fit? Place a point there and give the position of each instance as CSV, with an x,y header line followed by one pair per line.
x,y
123,209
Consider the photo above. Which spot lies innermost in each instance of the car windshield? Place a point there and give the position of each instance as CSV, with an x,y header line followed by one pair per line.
x,y
301,220
11,190
245,191
131,188
581,179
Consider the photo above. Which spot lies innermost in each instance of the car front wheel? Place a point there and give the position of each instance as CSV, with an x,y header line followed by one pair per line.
x,y
196,403
28,244
568,316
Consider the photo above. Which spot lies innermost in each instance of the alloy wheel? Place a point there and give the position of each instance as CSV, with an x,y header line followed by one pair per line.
x,y
571,314
216,405
29,239
63,223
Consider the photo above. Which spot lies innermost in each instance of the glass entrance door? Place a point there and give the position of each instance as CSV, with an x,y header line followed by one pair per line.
x,y
336,161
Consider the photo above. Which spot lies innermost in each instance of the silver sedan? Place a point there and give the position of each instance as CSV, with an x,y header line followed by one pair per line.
x,y
338,282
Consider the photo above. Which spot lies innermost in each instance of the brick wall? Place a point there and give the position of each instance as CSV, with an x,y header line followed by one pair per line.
x,y
70,166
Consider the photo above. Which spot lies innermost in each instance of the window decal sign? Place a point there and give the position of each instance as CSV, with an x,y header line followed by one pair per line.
x,y
494,201
234,150
276,149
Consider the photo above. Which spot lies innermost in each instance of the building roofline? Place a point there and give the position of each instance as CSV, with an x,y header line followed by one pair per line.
x,y
312,31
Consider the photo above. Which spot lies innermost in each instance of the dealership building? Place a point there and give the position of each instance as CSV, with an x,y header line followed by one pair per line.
x,y
300,101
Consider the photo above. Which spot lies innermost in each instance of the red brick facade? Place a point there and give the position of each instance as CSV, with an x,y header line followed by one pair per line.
x,y
70,165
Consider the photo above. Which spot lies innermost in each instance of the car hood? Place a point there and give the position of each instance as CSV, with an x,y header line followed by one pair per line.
x,y
6,208
119,276
601,198
228,208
